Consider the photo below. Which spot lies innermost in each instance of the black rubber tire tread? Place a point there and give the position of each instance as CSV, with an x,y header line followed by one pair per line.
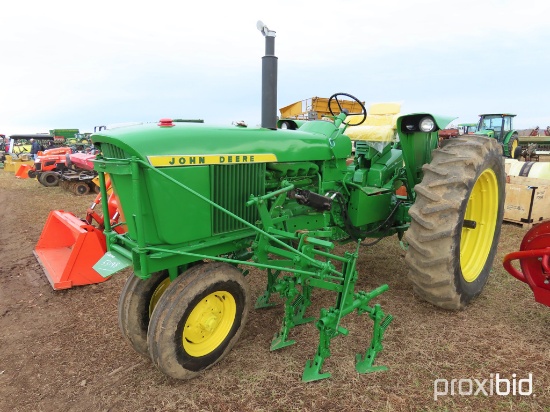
x,y
513,139
49,179
81,188
133,309
170,313
437,215
31,174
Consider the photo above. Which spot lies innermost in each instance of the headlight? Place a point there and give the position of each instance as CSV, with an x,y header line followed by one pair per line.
x,y
427,124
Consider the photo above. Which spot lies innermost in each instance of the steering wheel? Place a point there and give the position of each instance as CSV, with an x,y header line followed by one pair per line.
x,y
355,99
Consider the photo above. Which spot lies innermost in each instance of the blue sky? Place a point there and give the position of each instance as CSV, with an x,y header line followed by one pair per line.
x,y
67,64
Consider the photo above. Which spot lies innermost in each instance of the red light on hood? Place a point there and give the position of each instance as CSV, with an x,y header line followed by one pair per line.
x,y
166,123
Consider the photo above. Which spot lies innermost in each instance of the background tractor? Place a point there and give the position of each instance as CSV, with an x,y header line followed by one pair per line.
x,y
18,150
204,203
48,164
461,129
500,127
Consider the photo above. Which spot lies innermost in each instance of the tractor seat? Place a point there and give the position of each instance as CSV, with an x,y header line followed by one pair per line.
x,y
379,128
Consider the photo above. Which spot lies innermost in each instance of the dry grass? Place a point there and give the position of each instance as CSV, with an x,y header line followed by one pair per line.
x,y
62,350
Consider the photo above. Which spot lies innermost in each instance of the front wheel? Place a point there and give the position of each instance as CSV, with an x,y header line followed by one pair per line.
x,y
49,179
81,188
198,319
135,305
456,221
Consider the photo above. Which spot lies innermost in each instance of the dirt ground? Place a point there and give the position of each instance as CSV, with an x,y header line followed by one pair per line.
x,y
63,351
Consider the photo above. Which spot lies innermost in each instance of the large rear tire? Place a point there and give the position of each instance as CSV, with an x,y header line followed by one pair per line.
x,y
513,146
135,305
456,221
198,320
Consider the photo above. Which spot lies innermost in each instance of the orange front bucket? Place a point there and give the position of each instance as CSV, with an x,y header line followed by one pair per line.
x,y
67,250
23,171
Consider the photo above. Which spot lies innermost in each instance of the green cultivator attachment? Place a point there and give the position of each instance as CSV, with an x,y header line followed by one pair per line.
x,y
311,265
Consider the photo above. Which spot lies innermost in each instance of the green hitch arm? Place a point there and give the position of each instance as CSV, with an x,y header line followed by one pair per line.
x,y
260,199
104,204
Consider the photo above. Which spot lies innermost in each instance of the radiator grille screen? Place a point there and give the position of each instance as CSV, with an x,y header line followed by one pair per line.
x,y
231,189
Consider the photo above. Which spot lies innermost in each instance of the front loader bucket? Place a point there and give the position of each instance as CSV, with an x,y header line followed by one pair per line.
x,y
68,248
23,171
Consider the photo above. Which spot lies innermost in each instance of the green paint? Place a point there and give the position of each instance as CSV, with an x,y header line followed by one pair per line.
x,y
282,203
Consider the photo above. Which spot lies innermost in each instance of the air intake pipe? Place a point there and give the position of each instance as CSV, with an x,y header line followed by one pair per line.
x,y
269,79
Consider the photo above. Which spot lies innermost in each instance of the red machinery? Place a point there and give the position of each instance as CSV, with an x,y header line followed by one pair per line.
x,y
534,132
47,165
68,246
534,260
78,175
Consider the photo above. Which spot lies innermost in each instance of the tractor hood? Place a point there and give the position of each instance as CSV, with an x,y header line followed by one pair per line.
x,y
181,144
488,133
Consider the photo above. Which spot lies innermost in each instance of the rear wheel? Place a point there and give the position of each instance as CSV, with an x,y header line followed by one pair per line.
x,y
135,305
456,221
49,179
198,319
513,146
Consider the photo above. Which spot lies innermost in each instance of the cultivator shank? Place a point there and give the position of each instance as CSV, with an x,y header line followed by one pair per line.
x,y
311,265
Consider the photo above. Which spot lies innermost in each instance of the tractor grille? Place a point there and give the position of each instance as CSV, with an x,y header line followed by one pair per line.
x,y
231,189
113,152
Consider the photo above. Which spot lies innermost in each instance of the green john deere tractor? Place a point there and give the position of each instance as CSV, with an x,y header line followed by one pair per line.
x,y
204,203
500,127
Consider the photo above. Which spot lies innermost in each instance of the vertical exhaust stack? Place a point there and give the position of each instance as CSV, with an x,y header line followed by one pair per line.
x,y
269,79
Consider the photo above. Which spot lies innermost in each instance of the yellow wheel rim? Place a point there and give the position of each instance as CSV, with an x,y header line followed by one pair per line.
x,y
161,288
481,212
209,323
513,149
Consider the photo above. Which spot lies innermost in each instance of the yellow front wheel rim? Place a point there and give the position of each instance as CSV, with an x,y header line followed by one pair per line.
x,y
209,323
157,294
479,225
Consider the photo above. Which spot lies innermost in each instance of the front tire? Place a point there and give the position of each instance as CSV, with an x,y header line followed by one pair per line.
x,y
49,179
456,221
81,188
198,320
135,305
